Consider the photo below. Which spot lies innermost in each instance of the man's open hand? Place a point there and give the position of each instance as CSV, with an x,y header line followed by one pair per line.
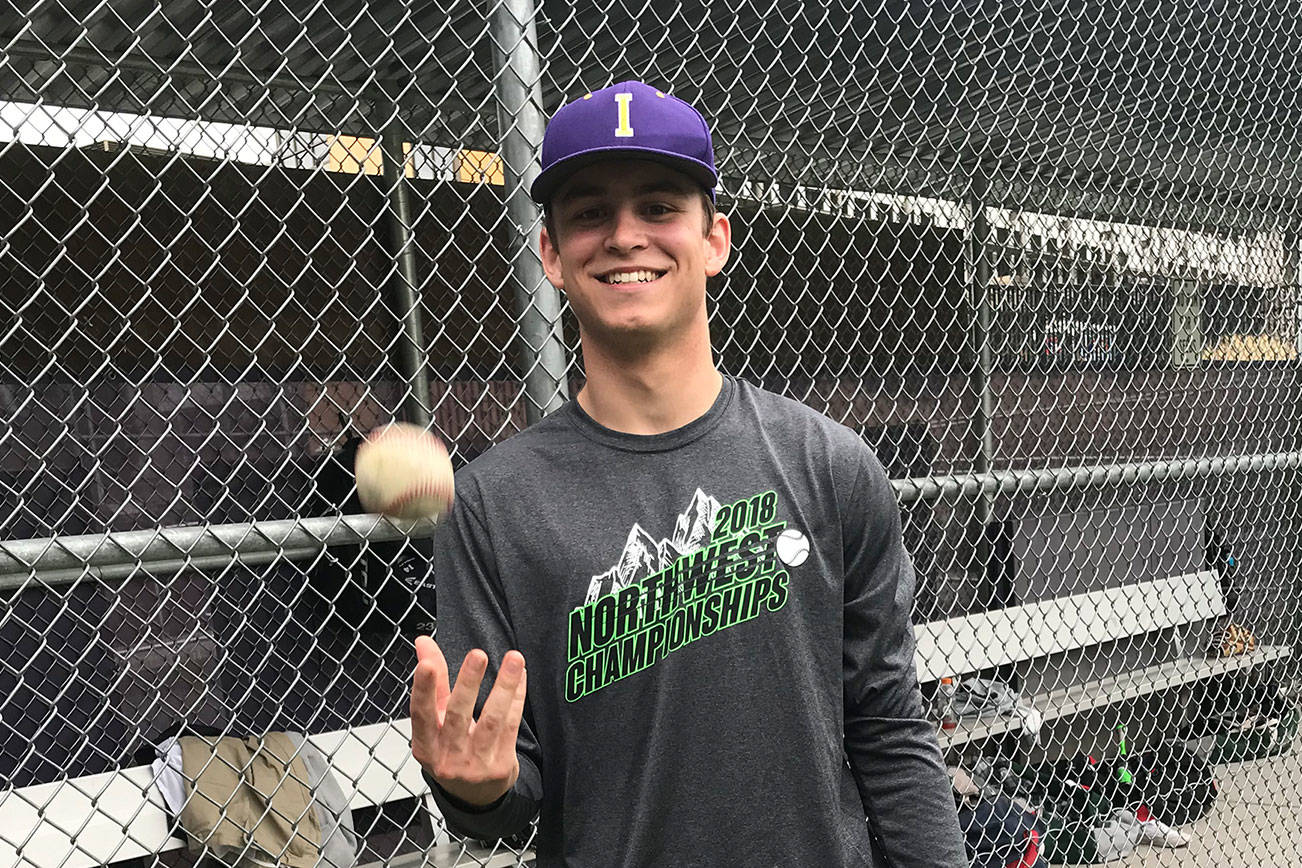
x,y
474,760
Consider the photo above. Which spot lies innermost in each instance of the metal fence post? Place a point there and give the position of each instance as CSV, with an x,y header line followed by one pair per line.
x,y
541,347
410,352
982,368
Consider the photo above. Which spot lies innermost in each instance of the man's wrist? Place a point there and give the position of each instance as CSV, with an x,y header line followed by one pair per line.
x,y
461,804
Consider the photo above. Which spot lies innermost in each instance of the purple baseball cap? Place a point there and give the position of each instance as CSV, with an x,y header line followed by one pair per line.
x,y
625,120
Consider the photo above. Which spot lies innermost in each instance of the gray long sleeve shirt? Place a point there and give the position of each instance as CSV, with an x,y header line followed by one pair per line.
x,y
716,626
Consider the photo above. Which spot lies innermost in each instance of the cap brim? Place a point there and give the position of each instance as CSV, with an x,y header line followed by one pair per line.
x,y
546,184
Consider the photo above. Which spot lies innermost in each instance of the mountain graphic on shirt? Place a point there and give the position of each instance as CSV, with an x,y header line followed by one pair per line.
x,y
644,556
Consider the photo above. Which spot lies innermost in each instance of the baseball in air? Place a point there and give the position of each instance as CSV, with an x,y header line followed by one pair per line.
x,y
403,471
792,547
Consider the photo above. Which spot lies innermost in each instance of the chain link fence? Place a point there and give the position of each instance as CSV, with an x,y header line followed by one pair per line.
x,y
1044,258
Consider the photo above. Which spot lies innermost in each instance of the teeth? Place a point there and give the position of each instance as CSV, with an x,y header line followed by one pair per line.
x,y
631,277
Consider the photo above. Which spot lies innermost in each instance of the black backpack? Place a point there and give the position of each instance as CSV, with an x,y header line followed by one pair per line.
x,y
1174,782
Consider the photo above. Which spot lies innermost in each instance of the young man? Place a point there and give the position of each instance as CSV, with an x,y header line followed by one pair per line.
x,y
707,580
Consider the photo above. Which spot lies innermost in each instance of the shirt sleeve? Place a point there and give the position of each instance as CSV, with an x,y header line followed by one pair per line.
x,y
892,750
472,613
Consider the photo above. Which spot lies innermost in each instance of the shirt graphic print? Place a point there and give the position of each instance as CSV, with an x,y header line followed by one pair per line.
x,y
724,565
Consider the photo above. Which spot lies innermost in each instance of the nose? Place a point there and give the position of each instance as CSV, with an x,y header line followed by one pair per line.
x,y
626,232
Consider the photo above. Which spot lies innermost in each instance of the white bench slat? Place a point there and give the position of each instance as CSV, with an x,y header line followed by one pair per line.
x,y
119,815
968,644
1132,684
87,821
373,764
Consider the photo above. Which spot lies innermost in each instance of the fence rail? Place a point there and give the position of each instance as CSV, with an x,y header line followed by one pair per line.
x,y
1005,482
59,560
195,547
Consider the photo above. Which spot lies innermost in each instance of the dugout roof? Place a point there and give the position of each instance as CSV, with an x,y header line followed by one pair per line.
x,y
1170,113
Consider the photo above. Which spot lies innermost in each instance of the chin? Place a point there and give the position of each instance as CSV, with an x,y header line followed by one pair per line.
x,y
641,326
631,332
636,330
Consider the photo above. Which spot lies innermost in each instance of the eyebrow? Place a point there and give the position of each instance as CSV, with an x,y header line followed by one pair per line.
x,y
578,192
662,186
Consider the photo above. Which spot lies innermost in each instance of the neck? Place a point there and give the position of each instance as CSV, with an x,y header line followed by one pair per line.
x,y
653,391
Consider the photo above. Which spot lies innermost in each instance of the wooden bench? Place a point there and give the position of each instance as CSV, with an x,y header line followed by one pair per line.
x,y
959,646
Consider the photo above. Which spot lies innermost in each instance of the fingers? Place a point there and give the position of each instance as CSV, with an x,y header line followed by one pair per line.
x,y
514,713
429,683
442,684
495,717
428,649
459,713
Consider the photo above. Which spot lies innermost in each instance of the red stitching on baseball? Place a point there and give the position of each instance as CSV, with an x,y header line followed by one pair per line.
x,y
428,487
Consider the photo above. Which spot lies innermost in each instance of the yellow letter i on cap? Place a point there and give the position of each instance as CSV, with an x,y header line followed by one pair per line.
x,y
624,130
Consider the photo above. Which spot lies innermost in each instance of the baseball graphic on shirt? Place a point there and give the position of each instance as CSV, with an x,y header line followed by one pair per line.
x,y
792,547
404,471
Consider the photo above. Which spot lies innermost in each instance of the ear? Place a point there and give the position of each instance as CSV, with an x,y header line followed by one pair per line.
x,y
551,260
718,245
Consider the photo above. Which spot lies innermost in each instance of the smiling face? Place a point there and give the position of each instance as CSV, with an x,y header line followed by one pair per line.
x,y
631,246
